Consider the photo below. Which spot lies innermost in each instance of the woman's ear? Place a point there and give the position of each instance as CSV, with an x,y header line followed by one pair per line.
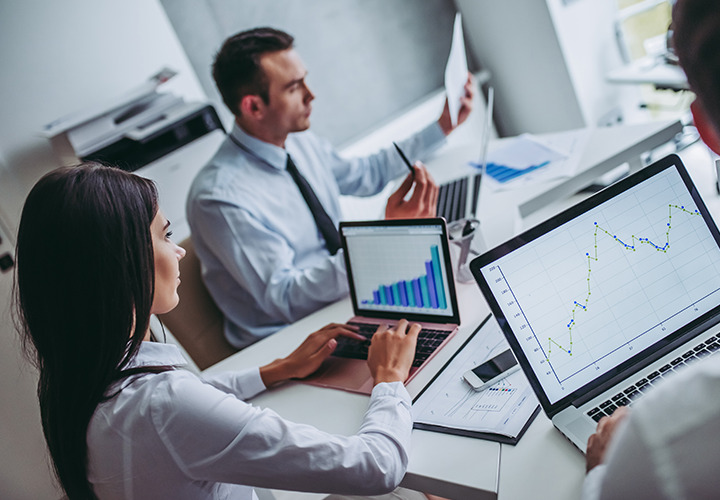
x,y
705,126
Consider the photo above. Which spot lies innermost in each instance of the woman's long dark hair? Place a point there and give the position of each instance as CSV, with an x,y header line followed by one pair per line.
x,y
83,293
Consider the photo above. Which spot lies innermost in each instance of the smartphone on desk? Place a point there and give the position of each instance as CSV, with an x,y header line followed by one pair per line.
x,y
491,371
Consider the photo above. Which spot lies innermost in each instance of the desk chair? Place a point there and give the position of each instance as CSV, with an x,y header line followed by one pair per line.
x,y
196,322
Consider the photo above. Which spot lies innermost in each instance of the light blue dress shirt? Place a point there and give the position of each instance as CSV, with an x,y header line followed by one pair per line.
x,y
264,260
174,435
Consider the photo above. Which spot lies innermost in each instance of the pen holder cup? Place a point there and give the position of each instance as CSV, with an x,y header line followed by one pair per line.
x,y
466,242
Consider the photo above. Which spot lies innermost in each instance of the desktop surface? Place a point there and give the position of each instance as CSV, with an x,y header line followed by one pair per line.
x,y
543,464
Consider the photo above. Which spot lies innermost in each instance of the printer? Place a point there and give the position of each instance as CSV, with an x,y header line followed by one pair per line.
x,y
151,133
132,130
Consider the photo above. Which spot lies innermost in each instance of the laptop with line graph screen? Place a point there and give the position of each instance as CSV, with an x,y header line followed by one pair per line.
x,y
608,298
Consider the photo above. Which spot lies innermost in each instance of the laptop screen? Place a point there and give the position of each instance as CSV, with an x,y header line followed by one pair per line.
x,y
615,276
400,269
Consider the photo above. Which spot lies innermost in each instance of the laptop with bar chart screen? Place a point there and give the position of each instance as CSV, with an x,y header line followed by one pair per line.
x,y
397,269
609,297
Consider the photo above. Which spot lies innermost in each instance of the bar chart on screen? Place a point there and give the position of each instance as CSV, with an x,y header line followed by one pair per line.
x,y
425,291
409,274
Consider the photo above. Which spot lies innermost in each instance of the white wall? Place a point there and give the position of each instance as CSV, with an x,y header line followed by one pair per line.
x,y
383,55
58,58
61,57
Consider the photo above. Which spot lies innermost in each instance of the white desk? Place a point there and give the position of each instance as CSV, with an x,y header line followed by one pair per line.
x,y
543,464
653,71
605,148
438,462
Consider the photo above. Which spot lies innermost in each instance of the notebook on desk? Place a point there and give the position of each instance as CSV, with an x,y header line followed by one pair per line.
x,y
397,269
607,298
459,198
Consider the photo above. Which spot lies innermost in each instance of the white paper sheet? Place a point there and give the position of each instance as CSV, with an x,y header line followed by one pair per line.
x,y
504,408
456,71
559,157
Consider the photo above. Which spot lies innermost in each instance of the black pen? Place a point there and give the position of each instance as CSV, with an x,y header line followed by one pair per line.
x,y
405,159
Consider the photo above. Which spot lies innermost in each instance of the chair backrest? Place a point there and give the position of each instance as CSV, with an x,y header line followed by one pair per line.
x,y
196,322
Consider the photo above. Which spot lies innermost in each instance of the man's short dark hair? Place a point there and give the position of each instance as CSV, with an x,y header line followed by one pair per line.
x,y
237,70
696,40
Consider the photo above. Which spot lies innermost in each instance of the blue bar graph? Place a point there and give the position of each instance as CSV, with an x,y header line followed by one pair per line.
x,y
409,293
396,294
504,173
417,292
426,291
440,291
431,284
403,293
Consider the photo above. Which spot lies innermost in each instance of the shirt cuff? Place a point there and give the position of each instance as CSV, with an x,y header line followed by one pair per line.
x,y
244,384
252,378
593,483
394,389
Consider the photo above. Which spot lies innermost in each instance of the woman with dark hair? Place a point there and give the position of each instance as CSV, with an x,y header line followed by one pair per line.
x,y
120,416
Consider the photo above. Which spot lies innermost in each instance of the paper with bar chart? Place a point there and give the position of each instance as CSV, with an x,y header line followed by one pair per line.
x,y
602,287
399,271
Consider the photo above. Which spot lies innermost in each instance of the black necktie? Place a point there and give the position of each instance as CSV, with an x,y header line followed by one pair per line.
x,y
322,219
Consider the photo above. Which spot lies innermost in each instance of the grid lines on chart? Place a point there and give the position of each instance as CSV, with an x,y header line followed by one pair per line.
x,y
631,246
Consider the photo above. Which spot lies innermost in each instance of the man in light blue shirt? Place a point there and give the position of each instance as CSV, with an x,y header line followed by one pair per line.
x,y
268,257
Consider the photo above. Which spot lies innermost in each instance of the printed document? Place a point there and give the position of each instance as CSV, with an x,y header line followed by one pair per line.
x,y
450,403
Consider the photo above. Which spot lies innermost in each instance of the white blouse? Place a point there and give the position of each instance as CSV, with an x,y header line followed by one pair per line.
x,y
668,447
174,435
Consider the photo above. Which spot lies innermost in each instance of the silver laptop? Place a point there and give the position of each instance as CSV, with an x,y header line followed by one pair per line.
x,y
605,300
397,269
459,198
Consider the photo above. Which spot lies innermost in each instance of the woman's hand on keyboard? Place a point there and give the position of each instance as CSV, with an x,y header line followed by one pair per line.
x,y
392,352
309,355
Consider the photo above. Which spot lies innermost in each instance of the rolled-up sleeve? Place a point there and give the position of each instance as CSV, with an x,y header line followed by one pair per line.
x,y
368,175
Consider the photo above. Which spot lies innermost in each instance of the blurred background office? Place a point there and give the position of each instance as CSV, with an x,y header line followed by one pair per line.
x,y
369,61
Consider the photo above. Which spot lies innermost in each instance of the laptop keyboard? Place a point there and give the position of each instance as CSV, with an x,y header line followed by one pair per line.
x,y
452,198
428,342
632,393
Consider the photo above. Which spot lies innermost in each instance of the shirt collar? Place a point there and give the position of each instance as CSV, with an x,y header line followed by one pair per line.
x,y
273,155
157,354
